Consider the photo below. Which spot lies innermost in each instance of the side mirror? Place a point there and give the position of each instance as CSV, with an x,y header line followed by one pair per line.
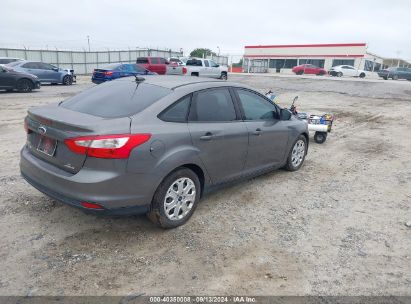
x,y
285,114
55,69
167,62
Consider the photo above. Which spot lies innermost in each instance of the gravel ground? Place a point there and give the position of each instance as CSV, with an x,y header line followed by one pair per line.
x,y
336,227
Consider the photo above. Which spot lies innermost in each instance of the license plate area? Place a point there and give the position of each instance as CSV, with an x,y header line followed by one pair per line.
x,y
47,145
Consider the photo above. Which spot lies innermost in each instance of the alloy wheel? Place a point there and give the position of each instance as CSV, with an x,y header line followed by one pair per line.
x,y
179,198
297,155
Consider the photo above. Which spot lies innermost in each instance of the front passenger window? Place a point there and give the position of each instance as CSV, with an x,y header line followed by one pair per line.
x,y
256,107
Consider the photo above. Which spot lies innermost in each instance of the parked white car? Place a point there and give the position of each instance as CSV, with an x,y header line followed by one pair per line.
x,y
346,70
205,68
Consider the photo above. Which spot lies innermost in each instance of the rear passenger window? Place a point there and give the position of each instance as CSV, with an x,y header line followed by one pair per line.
x,y
212,105
30,65
178,111
155,61
206,63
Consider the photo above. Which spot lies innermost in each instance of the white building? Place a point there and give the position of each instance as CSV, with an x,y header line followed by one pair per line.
x,y
276,58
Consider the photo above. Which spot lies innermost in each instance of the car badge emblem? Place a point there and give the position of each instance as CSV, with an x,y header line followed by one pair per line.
x,y
42,130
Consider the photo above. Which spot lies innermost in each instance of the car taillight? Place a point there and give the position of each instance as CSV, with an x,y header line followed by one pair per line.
x,y
108,73
184,70
106,146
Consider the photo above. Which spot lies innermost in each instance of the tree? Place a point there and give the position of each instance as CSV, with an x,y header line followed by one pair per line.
x,y
238,64
199,52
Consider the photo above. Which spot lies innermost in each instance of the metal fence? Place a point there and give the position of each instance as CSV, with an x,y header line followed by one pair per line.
x,y
84,62
221,60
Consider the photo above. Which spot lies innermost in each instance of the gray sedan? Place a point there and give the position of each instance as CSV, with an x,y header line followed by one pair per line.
x,y
45,72
156,145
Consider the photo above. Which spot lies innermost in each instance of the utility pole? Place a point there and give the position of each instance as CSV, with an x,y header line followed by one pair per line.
x,y
398,57
218,50
88,41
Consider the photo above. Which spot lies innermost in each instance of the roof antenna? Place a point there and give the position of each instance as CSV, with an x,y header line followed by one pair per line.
x,y
139,79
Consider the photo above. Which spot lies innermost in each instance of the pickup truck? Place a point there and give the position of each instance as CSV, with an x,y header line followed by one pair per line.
x,y
205,68
160,66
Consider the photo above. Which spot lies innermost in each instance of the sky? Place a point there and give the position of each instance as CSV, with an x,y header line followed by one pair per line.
x,y
221,25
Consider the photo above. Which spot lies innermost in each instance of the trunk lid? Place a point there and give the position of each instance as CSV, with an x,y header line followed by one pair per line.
x,y
99,73
49,126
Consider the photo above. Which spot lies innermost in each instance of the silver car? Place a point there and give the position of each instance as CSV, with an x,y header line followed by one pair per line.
x,y
156,145
45,72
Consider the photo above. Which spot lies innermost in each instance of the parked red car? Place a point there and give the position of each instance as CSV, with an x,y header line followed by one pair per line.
x,y
153,64
308,69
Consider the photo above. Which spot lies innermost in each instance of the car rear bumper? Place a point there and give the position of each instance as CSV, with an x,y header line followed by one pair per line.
x,y
118,193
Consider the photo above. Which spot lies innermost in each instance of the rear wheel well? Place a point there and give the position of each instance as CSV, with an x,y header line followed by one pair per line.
x,y
199,172
25,78
306,138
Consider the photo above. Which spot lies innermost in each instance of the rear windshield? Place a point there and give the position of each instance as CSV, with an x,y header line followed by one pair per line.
x,y
194,62
113,99
111,66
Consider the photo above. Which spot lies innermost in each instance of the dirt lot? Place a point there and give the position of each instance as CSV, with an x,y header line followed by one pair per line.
x,y
336,227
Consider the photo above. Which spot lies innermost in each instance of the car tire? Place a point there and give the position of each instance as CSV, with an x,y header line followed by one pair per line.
x,y
320,137
297,154
320,74
385,78
9,90
339,74
362,75
67,80
395,77
24,86
223,76
299,72
169,196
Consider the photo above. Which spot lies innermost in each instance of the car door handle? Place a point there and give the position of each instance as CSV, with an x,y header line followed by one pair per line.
x,y
257,132
207,136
